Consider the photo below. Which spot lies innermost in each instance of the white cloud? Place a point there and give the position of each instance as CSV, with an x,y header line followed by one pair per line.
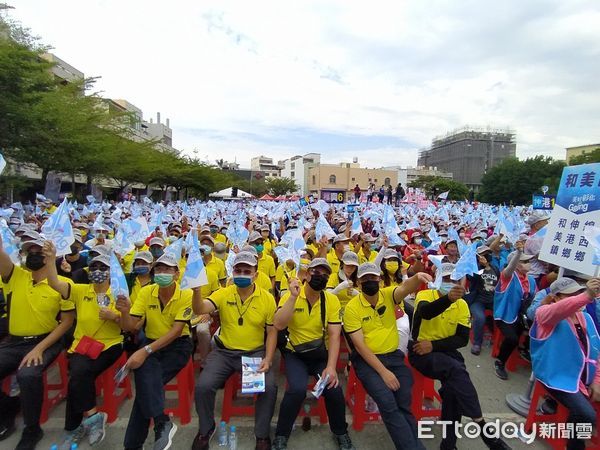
x,y
382,68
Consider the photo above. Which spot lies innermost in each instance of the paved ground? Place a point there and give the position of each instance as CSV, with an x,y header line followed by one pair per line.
x,y
492,392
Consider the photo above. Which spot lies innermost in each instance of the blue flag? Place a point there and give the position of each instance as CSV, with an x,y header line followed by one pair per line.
x,y
9,243
175,249
467,264
437,262
356,224
58,229
2,163
118,283
195,272
323,229
453,236
436,240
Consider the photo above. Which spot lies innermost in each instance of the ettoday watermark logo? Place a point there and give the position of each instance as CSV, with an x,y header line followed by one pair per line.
x,y
507,430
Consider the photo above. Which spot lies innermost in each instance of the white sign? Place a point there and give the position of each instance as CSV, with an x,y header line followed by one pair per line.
x,y
577,207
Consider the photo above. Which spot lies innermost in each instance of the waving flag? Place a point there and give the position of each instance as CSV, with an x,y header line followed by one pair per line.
x,y
467,264
122,242
195,272
436,240
356,225
175,249
2,164
437,262
444,195
118,283
58,230
9,242
453,236
323,229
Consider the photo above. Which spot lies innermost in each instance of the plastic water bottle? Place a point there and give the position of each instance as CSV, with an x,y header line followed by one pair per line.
x,y
232,438
222,436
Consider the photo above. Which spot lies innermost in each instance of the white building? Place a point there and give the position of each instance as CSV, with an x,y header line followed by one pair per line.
x,y
407,175
297,168
264,164
62,70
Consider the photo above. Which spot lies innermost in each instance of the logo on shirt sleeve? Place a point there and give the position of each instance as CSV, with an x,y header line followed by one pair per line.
x,y
187,312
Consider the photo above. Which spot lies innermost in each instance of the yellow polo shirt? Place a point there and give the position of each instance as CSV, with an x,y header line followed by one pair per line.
x,y
159,318
266,265
217,266
333,261
306,324
136,288
220,238
378,327
32,308
256,312
445,324
363,259
89,324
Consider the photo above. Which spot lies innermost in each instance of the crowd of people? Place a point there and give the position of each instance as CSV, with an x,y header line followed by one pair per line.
x,y
386,281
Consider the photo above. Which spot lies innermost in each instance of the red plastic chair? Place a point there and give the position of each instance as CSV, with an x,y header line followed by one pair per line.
x,y
355,399
344,355
230,393
424,389
184,386
534,416
107,387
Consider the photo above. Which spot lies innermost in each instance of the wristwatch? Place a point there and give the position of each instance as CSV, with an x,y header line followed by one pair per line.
x,y
148,349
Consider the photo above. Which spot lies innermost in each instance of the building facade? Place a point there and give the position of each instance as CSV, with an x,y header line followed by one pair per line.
x,y
469,153
265,165
580,150
335,182
297,168
407,175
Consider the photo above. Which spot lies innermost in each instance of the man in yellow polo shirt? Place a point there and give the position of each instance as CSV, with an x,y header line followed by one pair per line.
x,y
166,311
34,339
370,320
266,264
246,312
211,262
441,325
313,321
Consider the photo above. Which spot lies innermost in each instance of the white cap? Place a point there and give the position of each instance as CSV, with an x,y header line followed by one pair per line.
x,y
565,286
368,269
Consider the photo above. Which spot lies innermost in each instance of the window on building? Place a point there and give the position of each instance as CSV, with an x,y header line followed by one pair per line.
x,y
375,180
293,166
387,181
314,180
353,179
332,179
293,174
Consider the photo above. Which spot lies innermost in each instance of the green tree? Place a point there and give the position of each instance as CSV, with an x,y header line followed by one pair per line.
x,y
434,186
281,186
514,181
586,158
258,188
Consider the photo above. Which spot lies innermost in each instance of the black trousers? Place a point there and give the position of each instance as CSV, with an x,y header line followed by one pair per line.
x,y
159,368
512,333
297,371
83,372
459,397
30,378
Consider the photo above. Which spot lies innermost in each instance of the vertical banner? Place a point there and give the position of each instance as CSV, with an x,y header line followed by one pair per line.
x,y
52,189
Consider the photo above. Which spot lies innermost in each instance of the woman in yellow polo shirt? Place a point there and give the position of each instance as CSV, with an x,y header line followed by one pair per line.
x,y
97,345
344,283
393,269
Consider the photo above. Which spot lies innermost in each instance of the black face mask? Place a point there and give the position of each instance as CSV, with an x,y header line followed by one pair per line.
x,y
318,282
34,261
488,258
370,287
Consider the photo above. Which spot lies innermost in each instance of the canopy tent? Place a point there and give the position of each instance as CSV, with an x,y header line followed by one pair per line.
x,y
280,197
267,197
227,194
294,198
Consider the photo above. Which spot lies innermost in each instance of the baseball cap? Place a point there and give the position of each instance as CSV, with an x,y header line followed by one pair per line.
x,y
250,249
447,269
565,286
104,259
482,249
254,236
523,257
320,262
168,260
340,238
27,244
101,249
205,229
537,216
31,234
368,269
157,241
206,237
265,228
245,258
369,238
144,256
350,259
77,235
220,247
391,253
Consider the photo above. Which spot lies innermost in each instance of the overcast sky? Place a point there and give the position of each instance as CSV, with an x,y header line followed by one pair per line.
x,y
372,79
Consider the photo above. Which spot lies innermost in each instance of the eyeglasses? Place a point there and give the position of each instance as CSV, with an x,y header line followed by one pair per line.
x,y
318,272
